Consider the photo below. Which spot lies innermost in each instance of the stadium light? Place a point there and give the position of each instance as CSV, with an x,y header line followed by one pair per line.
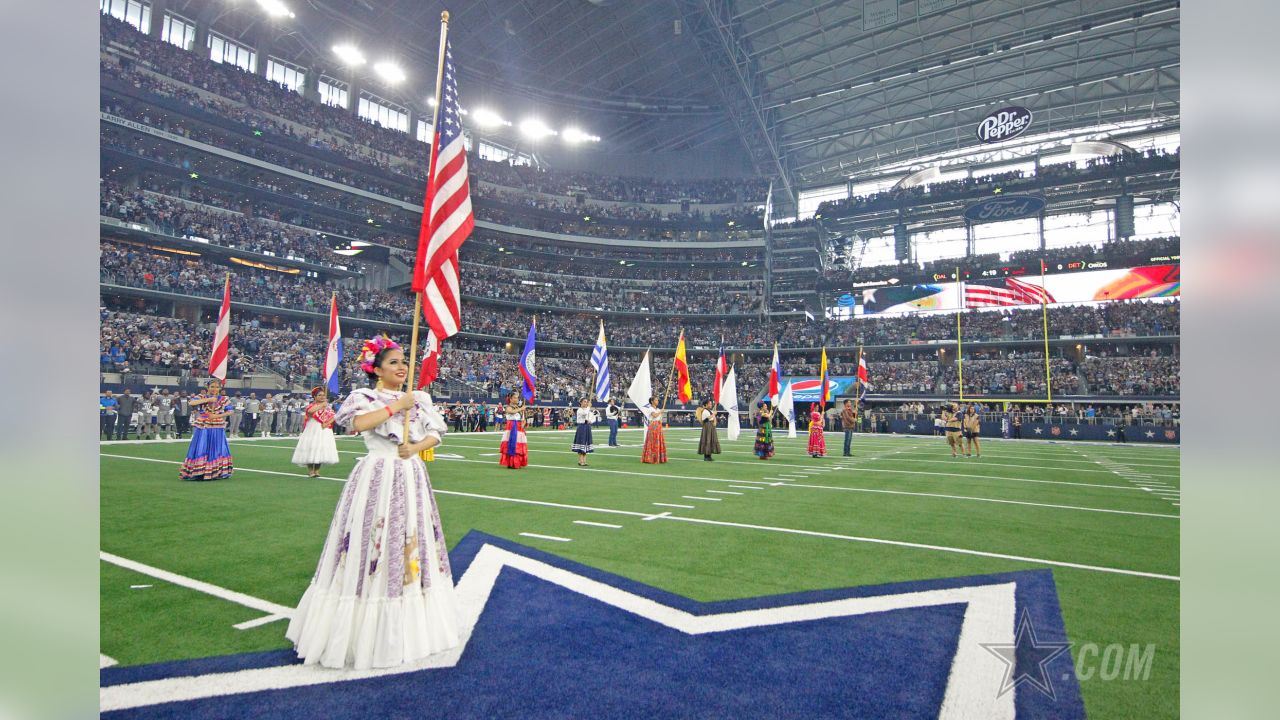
x,y
275,8
349,55
576,135
389,71
485,117
535,128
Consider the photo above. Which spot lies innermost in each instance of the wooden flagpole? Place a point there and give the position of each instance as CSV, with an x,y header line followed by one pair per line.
x,y
426,209
671,375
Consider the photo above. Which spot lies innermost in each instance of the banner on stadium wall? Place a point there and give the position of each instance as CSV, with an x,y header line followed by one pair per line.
x,y
809,390
1152,281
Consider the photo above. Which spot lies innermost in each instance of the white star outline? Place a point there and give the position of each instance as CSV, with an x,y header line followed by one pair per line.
x,y
971,684
1008,653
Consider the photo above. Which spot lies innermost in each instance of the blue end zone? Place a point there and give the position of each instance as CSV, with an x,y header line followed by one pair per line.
x,y
540,650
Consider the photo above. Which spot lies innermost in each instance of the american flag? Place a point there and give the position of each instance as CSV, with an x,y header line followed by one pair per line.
x,y
446,219
1004,292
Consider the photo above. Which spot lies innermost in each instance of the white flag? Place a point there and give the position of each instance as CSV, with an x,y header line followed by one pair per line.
x,y
787,407
642,389
729,401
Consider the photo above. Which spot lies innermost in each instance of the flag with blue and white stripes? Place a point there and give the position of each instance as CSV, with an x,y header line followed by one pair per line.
x,y
600,361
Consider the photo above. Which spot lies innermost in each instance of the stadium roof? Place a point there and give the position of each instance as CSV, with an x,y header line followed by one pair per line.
x,y
815,91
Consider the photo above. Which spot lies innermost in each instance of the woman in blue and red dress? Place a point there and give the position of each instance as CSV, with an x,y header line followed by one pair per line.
x,y
513,450
208,456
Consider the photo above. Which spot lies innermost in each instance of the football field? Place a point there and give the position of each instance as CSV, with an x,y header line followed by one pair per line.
x,y
196,570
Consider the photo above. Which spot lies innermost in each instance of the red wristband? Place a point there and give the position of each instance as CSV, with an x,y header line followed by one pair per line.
x,y
390,412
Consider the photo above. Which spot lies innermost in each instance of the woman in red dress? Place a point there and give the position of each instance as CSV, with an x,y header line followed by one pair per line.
x,y
817,440
655,442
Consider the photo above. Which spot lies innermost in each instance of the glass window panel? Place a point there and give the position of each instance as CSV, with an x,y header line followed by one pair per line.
x,y
1006,237
1156,220
1074,229
940,244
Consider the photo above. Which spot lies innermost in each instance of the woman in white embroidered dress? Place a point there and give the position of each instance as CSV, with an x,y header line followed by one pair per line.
x,y
383,592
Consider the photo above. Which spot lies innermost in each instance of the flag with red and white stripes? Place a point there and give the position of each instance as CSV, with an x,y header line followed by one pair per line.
x,y
1003,293
222,336
447,219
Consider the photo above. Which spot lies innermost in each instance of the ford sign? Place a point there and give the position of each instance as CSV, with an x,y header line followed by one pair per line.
x,y
1005,207
1004,124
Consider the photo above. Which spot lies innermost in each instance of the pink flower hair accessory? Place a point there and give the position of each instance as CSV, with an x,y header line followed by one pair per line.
x,y
371,349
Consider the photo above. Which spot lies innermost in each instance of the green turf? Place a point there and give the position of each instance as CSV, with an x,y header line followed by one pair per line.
x,y
261,534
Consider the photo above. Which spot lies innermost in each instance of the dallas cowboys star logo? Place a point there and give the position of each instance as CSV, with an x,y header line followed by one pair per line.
x,y
912,426
1035,656
1111,433
1039,431
1150,433
1075,431
605,643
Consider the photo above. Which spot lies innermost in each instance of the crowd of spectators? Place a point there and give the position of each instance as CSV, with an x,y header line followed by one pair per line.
x,y
1149,375
220,218
143,343
186,219
133,265
1120,164
1116,250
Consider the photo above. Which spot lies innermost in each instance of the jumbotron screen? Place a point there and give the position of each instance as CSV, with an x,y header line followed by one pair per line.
x,y
1150,281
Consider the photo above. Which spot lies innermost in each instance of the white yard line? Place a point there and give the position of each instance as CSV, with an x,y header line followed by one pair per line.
x,y
249,624
546,537
982,499
858,469
923,546
238,598
597,524
675,505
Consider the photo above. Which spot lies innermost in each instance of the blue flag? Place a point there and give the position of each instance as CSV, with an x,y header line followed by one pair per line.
x,y
527,371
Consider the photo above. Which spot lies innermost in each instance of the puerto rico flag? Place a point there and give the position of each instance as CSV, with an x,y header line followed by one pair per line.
x,y
775,378
722,369
527,370
333,355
